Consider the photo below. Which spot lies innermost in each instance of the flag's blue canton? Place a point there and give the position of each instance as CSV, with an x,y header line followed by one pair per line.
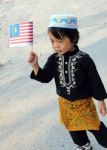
x,y
14,30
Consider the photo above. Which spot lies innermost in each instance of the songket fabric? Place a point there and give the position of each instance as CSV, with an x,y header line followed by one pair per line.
x,y
78,115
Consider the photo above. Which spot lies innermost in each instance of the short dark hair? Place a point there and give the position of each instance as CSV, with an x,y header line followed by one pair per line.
x,y
72,34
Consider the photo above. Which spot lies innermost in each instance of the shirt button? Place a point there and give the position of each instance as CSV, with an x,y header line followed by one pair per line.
x,y
66,62
66,71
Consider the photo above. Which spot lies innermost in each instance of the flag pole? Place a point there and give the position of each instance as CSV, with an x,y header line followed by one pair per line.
x,y
32,47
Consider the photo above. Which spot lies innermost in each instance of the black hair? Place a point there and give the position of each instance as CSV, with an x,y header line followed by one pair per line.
x,y
59,33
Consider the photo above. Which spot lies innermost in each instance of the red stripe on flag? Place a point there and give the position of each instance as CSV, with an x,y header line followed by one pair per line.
x,y
26,22
25,29
21,39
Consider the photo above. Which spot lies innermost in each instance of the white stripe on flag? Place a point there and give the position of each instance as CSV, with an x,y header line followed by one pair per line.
x,y
20,44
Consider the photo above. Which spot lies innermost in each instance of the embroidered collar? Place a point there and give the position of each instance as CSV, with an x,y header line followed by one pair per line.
x,y
72,52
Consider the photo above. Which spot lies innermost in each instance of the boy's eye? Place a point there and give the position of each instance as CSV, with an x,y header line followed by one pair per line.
x,y
60,40
52,41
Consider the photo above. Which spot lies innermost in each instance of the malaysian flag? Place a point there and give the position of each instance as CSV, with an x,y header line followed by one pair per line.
x,y
21,34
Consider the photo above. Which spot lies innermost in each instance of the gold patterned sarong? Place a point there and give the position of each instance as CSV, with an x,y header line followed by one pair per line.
x,y
79,114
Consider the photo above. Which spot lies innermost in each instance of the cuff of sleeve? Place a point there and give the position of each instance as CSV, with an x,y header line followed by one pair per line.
x,y
33,76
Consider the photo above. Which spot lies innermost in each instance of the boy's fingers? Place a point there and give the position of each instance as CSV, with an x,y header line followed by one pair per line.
x,y
31,59
32,53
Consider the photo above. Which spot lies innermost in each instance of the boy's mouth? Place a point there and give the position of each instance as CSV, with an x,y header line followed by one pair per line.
x,y
59,51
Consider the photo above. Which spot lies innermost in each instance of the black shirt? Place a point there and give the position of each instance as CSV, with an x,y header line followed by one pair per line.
x,y
75,74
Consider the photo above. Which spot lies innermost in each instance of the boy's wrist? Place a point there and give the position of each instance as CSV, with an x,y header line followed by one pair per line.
x,y
35,68
35,65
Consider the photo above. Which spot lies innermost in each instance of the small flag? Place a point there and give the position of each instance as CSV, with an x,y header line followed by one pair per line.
x,y
21,34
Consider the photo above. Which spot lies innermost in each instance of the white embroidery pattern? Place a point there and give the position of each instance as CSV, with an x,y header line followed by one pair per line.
x,y
71,71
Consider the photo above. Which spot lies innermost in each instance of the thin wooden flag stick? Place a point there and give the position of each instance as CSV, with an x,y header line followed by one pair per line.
x,y
32,47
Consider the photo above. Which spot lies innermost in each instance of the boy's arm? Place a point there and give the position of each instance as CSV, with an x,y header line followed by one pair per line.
x,y
42,75
95,82
102,107
35,68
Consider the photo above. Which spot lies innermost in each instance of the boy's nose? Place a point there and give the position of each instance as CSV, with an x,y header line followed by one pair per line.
x,y
56,45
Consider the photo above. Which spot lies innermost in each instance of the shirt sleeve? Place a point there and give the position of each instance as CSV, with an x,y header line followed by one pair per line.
x,y
95,82
44,74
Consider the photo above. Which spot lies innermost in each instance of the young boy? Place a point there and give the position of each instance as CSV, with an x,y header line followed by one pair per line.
x,y
77,82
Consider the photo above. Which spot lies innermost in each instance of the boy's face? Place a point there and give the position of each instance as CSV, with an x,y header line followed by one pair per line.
x,y
61,46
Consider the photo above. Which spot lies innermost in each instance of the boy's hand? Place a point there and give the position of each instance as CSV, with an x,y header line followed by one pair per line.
x,y
102,108
33,59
